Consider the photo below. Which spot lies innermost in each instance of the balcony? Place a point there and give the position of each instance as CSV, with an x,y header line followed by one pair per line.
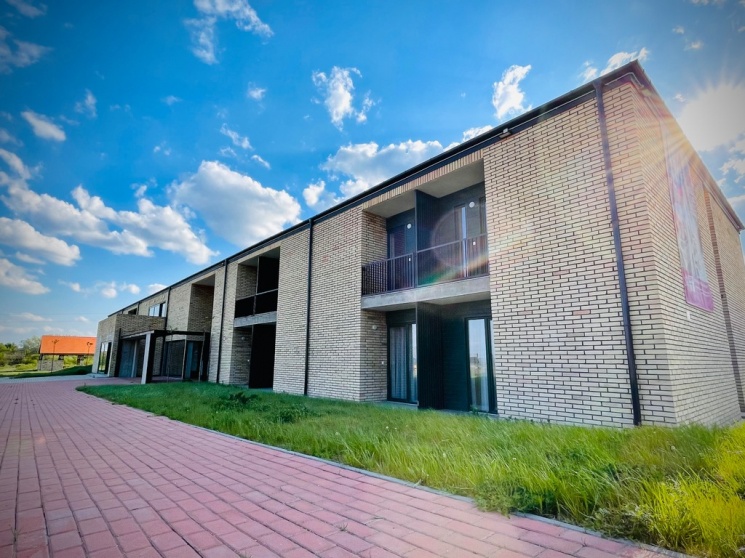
x,y
453,261
259,303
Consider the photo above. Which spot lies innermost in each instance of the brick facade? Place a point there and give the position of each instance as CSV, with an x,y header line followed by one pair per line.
x,y
559,342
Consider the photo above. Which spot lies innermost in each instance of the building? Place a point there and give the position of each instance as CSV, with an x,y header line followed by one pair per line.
x,y
56,347
578,265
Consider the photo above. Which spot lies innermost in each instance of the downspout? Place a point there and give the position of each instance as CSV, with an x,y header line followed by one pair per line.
x,y
222,319
307,307
625,312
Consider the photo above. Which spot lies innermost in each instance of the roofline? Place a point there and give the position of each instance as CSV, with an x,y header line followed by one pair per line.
x,y
632,71
522,121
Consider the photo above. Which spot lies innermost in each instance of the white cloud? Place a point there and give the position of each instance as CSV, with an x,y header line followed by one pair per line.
x,y
228,152
74,286
28,259
621,58
237,139
337,91
680,98
111,289
91,222
28,9
19,279
614,62
707,2
261,161
508,98
715,116
87,106
7,137
234,205
255,92
155,287
679,30
202,33
240,11
29,317
365,164
736,163
15,163
171,100
477,131
163,148
24,54
694,45
19,234
43,126
82,319
203,29
154,225
316,196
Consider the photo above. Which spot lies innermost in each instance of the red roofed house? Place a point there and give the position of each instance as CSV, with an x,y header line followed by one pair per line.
x,y
56,347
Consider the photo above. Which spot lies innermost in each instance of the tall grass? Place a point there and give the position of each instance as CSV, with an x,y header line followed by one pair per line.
x,y
681,488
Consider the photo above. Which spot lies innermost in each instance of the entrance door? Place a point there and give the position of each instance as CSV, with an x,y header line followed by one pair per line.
x,y
480,375
403,367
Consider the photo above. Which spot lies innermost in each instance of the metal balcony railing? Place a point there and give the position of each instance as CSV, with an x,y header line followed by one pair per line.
x,y
461,259
256,304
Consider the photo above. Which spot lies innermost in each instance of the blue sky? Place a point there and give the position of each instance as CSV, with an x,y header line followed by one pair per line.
x,y
143,141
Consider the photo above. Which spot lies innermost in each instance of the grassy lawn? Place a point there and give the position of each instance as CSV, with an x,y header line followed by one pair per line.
x,y
72,371
680,488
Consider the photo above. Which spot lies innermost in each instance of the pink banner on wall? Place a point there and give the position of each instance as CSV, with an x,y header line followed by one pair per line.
x,y
683,191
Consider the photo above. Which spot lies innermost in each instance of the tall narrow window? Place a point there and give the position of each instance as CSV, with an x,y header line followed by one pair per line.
x,y
478,365
403,367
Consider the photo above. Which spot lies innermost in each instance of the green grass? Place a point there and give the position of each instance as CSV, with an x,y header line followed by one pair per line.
x,y
72,371
681,488
13,369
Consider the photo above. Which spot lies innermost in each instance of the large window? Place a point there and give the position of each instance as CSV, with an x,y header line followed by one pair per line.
x,y
103,358
158,310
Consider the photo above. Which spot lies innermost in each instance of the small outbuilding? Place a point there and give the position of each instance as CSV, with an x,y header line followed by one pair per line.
x,y
56,347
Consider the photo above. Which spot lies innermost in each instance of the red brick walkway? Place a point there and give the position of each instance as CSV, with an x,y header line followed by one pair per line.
x,y
82,477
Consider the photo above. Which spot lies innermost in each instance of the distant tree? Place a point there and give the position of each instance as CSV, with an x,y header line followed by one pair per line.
x,y
31,345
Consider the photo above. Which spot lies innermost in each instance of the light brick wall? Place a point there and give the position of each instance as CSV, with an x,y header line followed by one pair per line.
x,y
686,360
228,332
373,327
640,180
558,334
178,307
218,320
731,272
334,363
240,357
289,356
200,308
245,281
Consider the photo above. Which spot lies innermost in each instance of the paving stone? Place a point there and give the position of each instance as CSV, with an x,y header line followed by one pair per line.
x,y
135,485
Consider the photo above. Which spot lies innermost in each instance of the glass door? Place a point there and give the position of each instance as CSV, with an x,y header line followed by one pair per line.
x,y
402,381
480,377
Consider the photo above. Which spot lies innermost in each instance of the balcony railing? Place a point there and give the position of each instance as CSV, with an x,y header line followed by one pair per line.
x,y
461,259
256,304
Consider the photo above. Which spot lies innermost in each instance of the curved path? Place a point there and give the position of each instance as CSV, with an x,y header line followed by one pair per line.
x,y
80,476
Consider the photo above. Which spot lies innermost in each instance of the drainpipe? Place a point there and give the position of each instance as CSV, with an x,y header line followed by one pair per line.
x,y
222,319
307,306
625,312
